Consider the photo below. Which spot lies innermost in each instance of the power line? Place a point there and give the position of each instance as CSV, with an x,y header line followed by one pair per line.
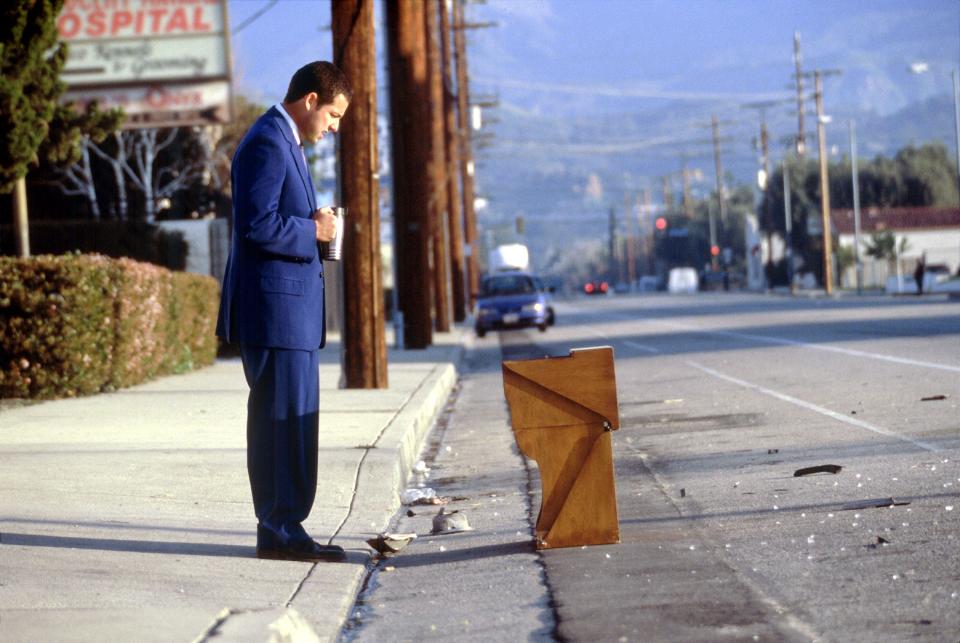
x,y
246,23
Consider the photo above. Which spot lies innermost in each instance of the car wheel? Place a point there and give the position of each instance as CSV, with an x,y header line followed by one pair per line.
x,y
481,332
542,327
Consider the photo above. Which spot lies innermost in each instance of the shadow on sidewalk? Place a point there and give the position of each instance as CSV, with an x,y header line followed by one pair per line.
x,y
124,545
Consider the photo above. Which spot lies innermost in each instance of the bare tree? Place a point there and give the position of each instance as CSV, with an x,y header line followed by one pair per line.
x,y
134,158
143,147
208,138
116,163
77,179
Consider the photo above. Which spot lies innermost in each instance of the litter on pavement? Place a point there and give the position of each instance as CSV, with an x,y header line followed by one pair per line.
x,y
388,544
450,522
822,468
874,503
424,496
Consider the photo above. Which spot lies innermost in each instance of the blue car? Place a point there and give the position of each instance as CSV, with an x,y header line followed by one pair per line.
x,y
513,300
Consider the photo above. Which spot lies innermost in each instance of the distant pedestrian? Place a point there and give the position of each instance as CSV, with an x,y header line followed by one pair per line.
x,y
272,305
919,271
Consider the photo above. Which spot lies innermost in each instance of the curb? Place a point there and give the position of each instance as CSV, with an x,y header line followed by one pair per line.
x,y
388,463
383,473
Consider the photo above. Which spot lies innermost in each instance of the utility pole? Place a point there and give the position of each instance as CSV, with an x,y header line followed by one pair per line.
x,y
454,203
721,201
687,199
801,142
409,114
763,143
631,253
612,231
667,194
955,77
437,171
824,178
354,46
854,176
645,224
787,224
471,247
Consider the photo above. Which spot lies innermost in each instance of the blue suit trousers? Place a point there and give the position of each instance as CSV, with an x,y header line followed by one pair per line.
x,y
282,428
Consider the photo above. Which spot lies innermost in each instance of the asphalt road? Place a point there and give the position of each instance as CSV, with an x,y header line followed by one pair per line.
x,y
722,398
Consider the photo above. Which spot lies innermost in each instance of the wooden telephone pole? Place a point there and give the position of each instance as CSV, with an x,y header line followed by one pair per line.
x,y
354,47
409,115
721,200
454,203
801,142
471,247
437,170
824,178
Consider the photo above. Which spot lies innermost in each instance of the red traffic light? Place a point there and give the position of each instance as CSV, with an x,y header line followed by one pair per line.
x,y
661,223
714,251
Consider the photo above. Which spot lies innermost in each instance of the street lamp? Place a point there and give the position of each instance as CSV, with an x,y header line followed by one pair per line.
x,y
922,67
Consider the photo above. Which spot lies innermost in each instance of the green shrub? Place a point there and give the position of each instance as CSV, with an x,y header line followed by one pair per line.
x,y
79,324
195,303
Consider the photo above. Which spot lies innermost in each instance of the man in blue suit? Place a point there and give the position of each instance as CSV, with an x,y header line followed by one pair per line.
x,y
272,305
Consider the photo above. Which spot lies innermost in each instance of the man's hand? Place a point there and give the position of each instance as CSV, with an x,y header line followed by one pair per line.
x,y
326,223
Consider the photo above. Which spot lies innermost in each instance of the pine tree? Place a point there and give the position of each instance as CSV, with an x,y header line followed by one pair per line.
x,y
31,58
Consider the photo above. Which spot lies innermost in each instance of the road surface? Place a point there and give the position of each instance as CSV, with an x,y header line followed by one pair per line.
x,y
722,398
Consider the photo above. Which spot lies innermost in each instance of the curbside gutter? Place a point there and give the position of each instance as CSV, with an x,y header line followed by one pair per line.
x,y
387,464
381,476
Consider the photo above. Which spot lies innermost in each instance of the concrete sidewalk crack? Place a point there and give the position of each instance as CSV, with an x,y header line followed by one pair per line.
x,y
300,585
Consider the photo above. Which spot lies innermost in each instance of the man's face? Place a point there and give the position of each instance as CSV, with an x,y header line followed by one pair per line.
x,y
321,119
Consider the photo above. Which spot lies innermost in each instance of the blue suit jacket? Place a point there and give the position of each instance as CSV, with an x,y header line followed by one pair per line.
x,y
273,285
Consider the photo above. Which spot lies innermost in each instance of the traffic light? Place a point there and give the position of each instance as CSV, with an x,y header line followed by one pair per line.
x,y
714,250
661,223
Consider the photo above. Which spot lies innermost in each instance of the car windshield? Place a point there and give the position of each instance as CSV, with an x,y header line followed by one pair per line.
x,y
508,285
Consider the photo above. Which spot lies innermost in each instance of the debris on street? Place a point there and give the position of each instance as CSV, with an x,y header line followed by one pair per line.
x,y
388,544
874,503
450,522
772,451
420,467
881,542
822,468
933,398
424,496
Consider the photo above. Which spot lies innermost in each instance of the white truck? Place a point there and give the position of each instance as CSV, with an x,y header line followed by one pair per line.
x,y
513,256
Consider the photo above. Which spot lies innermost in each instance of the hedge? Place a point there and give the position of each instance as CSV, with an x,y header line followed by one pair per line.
x,y
81,324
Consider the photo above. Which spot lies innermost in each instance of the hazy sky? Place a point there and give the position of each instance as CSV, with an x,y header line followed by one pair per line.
x,y
579,56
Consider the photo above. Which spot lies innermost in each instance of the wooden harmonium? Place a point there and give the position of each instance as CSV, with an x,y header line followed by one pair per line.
x,y
562,410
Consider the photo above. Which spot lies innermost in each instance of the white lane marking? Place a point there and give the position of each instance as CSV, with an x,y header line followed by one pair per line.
x,y
793,342
632,344
833,349
813,407
642,347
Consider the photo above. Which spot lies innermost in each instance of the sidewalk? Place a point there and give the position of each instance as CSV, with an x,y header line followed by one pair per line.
x,y
127,516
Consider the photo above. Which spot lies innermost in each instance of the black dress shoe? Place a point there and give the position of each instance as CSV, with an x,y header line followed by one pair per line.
x,y
306,550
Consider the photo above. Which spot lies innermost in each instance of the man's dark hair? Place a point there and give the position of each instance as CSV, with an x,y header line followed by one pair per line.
x,y
321,77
